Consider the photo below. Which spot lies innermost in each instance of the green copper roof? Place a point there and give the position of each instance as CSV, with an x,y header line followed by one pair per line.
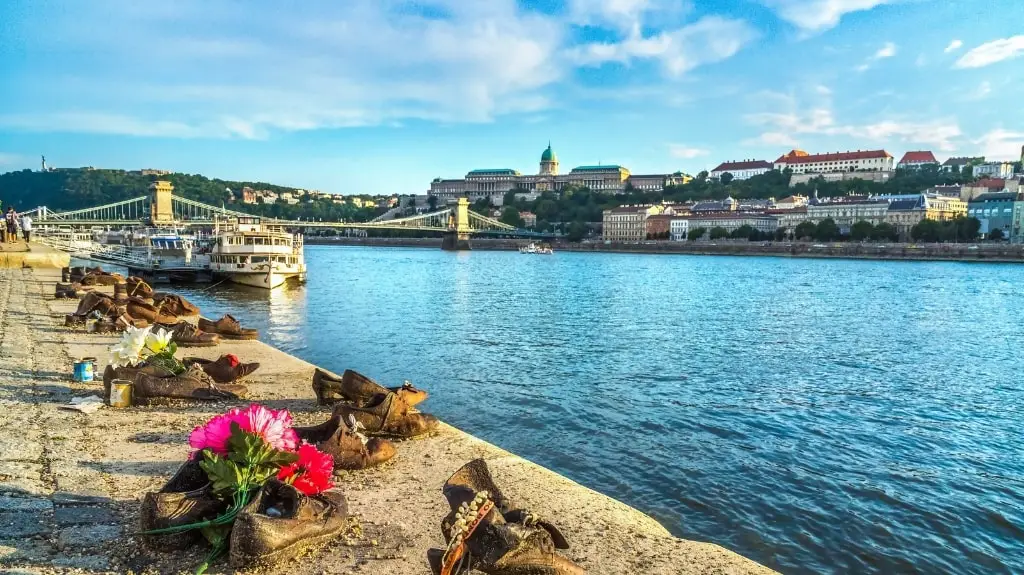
x,y
548,155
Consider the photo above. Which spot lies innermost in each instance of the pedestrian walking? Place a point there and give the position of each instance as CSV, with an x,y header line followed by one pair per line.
x,y
11,217
26,227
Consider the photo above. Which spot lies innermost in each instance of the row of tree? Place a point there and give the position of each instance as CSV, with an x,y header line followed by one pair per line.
x,y
958,230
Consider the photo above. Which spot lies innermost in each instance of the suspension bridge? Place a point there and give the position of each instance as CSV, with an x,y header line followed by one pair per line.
x,y
456,223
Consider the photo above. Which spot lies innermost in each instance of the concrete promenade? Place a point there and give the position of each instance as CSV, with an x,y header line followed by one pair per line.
x,y
70,484
32,255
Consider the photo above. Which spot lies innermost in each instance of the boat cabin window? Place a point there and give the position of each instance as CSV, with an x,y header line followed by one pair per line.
x,y
248,220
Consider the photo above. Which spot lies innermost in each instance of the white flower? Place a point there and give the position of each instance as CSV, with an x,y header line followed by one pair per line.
x,y
355,426
128,352
158,341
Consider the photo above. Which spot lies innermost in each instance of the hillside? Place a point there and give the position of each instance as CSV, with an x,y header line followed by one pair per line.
x,y
69,189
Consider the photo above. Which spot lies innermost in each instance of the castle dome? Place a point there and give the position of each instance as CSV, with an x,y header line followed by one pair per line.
x,y
548,155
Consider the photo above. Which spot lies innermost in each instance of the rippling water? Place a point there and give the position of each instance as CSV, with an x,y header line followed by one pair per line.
x,y
813,415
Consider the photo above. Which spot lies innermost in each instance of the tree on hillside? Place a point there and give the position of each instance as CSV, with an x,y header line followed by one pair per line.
x,y
718,233
726,178
696,234
996,234
576,232
510,216
804,230
861,231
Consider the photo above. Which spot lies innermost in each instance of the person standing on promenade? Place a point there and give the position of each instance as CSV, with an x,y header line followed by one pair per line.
x,y
11,219
26,227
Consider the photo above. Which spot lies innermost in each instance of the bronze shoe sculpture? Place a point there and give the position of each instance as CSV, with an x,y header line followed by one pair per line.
x,y
227,327
137,287
121,293
67,291
187,335
96,301
336,439
139,309
175,304
280,523
193,384
387,414
225,369
484,534
185,499
110,373
359,389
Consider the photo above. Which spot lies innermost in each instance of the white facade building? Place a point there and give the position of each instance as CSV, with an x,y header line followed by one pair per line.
x,y
994,170
800,162
741,170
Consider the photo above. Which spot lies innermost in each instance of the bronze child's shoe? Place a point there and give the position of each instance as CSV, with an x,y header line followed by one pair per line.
x,y
387,414
225,369
193,384
175,304
485,534
280,523
356,387
336,439
187,335
137,287
227,327
185,499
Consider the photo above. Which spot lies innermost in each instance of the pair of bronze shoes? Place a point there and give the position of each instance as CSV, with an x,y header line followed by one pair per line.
x,y
377,409
278,524
485,533
228,327
185,334
152,384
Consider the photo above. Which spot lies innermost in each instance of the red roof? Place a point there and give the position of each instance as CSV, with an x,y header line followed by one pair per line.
x,y
923,157
836,157
744,165
990,183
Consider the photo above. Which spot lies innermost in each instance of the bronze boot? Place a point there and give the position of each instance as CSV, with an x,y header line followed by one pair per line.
x,y
185,499
193,384
225,369
110,373
228,327
137,287
139,309
484,534
175,304
336,439
280,523
387,414
359,389
121,293
187,335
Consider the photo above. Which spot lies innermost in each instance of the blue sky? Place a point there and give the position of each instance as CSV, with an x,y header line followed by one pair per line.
x,y
381,96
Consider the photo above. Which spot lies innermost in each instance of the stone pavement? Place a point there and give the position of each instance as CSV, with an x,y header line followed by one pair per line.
x,y
55,505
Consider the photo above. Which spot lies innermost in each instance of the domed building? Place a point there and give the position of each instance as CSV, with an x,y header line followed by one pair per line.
x,y
496,182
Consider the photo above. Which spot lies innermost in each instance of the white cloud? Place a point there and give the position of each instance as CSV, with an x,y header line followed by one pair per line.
x,y
7,159
888,50
710,39
686,152
992,52
1000,144
819,15
953,46
823,90
983,90
773,139
785,127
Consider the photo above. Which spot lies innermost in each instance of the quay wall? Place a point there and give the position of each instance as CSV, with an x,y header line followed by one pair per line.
x,y
82,476
1005,253
32,255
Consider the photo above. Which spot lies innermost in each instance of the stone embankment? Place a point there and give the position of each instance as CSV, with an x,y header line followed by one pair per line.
x,y
70,483
994,252
31,255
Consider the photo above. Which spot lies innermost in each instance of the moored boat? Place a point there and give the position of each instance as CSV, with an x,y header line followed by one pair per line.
x,y
533,248
250,252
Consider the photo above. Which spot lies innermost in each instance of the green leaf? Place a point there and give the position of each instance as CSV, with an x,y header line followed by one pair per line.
x,y
224,474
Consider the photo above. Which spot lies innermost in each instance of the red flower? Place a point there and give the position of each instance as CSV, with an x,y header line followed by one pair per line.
x,y
232,359
311,474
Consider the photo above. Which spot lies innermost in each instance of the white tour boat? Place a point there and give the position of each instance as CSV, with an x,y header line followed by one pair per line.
x,y
249,252
535,249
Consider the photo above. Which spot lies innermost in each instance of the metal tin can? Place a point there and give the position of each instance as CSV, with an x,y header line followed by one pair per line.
x,y
120,393
85,369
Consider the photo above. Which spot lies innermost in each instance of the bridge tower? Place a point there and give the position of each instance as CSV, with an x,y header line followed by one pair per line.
x,y
161,207
457,236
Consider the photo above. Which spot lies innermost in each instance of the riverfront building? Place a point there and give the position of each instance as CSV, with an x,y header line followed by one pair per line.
x,y
495,183
999,210
848,211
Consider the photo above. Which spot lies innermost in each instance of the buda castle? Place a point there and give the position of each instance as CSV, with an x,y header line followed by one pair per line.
x,y
494,183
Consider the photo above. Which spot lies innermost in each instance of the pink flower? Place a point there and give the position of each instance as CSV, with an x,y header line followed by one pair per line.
x,y
274,426
311,474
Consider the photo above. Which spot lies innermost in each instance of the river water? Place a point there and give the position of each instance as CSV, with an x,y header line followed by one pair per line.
x,y
813,415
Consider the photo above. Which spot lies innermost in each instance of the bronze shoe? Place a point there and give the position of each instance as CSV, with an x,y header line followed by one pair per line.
x,y
193,384
121,293
356,387
175,304
225,369
228,327
484,534
185,499
139,309
336,439
387,414
280,523
137,287
100,279
96,301
110,373
187,335
65,275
